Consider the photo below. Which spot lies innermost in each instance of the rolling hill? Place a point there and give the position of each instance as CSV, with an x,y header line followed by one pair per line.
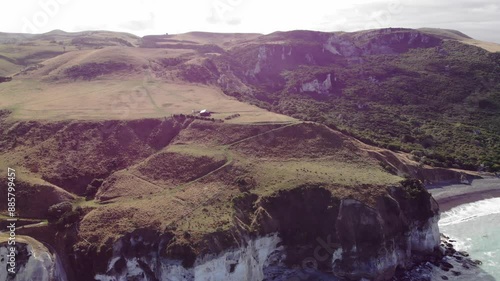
x,y
431,92
312,135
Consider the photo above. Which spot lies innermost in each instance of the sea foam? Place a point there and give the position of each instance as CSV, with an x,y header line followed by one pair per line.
x,y
470,211
476,229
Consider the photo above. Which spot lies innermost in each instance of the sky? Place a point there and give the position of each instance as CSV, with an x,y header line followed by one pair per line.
x,y
479,19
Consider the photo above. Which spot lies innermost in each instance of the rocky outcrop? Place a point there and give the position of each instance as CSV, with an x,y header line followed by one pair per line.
x,y
266,64
393,41
307,228
376,241
244,263
318,87
337,45
32,262
454,265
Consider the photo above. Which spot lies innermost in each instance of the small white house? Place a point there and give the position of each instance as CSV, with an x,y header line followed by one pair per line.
x,y
204,112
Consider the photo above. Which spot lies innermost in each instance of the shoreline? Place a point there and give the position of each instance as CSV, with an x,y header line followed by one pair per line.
x,y
449,196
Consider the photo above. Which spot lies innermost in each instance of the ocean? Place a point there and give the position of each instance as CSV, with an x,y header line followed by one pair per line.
x,y
476,228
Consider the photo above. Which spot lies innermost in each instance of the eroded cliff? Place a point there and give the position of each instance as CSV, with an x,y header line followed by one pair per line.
x,y
32,261
222,201
294,233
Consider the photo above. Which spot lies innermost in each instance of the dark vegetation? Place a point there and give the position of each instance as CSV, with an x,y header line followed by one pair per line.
x,y
90,71
205,74
92,188
74,155
164,42
62,215
32,58
232,116
93,42
5,79
166,62
196,117
38,56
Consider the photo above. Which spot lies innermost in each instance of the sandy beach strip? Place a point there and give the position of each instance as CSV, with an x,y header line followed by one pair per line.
x,y
453,195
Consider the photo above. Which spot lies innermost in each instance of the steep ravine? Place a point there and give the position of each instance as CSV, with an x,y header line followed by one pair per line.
x,y
71,154
304,229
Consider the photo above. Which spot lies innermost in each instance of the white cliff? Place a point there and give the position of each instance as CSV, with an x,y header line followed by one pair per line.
x,y
261,59
427,237
34,262
245,263
383,251
368,241
337,45
318,87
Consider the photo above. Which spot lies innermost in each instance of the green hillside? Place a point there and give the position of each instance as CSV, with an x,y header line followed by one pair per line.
x,y
401,89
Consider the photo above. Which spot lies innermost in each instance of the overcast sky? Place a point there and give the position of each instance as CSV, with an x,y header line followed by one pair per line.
x,y
477,18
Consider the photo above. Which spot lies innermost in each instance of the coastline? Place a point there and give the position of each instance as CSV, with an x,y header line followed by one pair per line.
x,y
449,196
472,226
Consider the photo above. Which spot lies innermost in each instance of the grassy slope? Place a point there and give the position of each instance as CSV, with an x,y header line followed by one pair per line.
x,y
20,52
200,202
60,79
117,99
456,35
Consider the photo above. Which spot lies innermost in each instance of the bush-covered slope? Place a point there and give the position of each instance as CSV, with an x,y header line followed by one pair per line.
x,y
401,89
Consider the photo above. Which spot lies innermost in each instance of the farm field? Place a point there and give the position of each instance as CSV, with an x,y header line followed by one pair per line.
x,y
31,99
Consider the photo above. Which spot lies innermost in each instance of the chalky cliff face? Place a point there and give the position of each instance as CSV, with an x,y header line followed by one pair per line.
x,y
32,262
306,227
245,263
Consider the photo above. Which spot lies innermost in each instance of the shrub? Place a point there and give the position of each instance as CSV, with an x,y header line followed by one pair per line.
x,y
413,187
92,70
56,211
5,79
68,219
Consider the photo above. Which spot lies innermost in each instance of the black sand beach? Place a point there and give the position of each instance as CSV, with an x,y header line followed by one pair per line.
x,y
452,195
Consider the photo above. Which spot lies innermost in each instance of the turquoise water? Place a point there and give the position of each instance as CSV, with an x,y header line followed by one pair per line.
x,y
476,228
